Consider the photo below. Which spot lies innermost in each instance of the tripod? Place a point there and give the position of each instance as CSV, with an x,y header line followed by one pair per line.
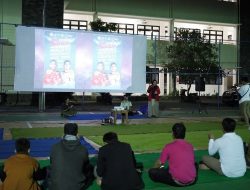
x,y
198,104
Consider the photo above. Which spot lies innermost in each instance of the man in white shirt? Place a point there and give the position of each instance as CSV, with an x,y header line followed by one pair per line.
x,y
126,104
230,147
244,101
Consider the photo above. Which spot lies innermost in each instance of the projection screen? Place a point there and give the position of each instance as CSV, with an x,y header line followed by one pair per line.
x,y
57,60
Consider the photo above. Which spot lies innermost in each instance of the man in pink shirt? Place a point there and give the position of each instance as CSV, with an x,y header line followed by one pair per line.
x,y
182,169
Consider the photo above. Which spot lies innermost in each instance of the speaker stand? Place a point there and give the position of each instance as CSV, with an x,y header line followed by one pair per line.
x,y
198,105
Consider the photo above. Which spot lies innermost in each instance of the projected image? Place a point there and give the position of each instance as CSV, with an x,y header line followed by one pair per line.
x,y
52,76
99,77
108,60
59,48
68,75
106,78
75,61
114,76
110,56
55,78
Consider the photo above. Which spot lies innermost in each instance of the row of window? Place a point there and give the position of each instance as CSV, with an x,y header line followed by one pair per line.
x,y
153,74
213,36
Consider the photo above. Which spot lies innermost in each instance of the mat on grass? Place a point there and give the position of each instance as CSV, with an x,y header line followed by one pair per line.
x,y
101,116
207,179
38,147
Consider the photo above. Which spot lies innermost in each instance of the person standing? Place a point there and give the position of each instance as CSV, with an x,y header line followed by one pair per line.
x,y
69,161
116,165
244,101
230,147
153,99
179,154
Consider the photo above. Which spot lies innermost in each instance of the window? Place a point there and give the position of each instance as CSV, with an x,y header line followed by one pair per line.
x,y
75,24
213,36
189,30
148,30
228,0
125,28
209,79
152,74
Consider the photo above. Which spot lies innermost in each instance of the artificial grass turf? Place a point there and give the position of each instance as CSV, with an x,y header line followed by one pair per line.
x,y
143,138
207,179
120,129
152,137
156,141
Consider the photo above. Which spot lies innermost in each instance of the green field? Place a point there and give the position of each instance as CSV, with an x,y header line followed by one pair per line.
x,y
143,137
147,140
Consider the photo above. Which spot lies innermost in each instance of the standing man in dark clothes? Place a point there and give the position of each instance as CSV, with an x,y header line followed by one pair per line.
x,y
116,165
70,168
153,99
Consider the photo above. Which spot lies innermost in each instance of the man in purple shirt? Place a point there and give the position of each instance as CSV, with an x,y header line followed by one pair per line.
x,y
182,169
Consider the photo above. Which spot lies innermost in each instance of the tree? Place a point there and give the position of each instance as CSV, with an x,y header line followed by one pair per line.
x,y
191,55
100,26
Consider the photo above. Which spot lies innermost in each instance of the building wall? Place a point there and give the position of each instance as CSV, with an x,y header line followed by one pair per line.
x,y
10,14
48,13
200,11
204,10
228,56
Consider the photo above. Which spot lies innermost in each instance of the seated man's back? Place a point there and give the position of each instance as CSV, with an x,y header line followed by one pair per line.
x,y
232,161
19,169
68,159
116,167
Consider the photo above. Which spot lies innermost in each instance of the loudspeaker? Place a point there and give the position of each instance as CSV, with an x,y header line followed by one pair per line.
x,y
199,84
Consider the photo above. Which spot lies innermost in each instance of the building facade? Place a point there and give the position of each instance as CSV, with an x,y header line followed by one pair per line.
x,y
159,20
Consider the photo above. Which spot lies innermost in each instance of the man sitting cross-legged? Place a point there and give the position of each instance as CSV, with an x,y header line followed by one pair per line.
x,y
231,151
116,165
70,167
182,170
21,171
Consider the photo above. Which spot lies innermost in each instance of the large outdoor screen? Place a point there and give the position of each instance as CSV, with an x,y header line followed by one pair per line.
x,y
57,60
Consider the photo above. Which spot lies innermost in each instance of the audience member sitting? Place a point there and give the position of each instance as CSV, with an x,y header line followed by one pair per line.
x,y
21,171
231,151
70,167
116,165
182,169
68,108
